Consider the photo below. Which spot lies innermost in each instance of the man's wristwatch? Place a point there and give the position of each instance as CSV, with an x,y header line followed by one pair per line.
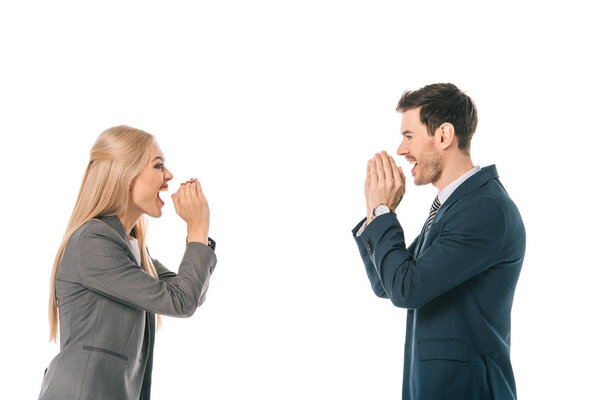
x,y
380,210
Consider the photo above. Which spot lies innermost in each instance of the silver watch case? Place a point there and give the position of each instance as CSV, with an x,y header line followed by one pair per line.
x,y
380,210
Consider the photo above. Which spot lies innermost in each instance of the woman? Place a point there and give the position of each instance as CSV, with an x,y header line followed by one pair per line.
x,y
104,284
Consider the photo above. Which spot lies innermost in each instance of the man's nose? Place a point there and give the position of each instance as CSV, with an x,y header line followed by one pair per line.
x,y
403,148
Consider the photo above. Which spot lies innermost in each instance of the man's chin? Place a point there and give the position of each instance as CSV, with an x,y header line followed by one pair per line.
x,y
419,181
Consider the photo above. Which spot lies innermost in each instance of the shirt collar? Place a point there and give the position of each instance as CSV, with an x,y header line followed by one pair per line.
x,y
448,190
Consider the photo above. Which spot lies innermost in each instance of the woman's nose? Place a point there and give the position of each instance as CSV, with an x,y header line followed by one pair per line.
x,y
168,175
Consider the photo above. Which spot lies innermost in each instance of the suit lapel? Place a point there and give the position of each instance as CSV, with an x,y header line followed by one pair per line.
x,y
420,241
474,182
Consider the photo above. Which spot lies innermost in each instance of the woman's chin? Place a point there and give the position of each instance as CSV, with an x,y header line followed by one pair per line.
x,y
155,213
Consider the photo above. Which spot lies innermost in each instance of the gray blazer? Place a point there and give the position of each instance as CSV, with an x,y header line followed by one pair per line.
x,y
106,308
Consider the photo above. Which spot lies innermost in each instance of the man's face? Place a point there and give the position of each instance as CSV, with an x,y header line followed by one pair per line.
x,y
418,147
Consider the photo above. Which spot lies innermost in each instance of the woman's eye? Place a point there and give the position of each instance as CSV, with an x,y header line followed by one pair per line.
x,y
159,166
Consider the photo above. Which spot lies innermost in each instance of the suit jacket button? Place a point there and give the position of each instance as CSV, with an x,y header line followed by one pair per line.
x,y
212,269
369,246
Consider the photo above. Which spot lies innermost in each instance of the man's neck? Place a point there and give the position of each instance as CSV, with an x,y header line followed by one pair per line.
x,y
453,170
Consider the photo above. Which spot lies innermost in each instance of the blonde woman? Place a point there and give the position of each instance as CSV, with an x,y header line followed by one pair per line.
x,y
105,286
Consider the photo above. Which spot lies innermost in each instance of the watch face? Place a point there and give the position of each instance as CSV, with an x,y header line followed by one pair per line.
x,y
381,209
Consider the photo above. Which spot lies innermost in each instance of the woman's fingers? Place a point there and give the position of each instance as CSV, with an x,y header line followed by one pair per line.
x,y
197,188
175,198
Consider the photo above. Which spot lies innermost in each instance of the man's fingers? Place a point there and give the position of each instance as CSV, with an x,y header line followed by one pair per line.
x,y
373,172
396,171
379,168
387,168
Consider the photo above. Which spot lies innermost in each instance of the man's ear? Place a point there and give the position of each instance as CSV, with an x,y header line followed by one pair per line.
x,y
447,136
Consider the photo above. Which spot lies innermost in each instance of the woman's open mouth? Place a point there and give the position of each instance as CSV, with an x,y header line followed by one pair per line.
x,y
162,189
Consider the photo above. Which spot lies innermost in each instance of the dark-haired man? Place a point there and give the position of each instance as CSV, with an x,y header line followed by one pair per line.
x,y
457,279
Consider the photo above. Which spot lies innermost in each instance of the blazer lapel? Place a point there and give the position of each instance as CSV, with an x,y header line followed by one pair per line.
x,y
474,182
420,241
469,186
114,222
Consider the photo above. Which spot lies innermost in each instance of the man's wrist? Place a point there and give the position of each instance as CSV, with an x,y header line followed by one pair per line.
x,y
380,210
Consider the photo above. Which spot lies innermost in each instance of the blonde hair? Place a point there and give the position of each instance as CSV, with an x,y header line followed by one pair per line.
x,y
116,158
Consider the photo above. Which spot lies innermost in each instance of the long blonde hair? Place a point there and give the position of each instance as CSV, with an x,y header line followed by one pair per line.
x,y
116,158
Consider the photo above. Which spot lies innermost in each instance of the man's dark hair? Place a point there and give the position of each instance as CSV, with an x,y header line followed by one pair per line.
x,y
440,103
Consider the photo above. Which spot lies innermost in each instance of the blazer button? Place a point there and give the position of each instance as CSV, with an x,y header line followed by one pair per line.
x,y
212,269
369,246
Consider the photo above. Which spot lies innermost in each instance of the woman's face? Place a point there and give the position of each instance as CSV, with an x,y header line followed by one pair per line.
x,y
147,185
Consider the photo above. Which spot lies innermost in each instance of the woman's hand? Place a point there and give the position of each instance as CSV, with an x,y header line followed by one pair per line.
x,y
191,205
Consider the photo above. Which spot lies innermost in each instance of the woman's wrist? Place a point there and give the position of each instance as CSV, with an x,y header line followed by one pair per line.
x,y
197,234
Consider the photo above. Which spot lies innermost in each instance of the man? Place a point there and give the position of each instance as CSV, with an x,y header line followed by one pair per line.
x,y
458,278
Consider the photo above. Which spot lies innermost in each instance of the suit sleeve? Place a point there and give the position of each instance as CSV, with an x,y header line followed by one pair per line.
x,y
369,267
470,241
106,268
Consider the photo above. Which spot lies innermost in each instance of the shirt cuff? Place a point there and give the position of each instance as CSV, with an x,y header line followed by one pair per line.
x,y
362,229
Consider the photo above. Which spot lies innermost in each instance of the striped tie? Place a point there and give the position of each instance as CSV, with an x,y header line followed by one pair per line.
x,y
434,209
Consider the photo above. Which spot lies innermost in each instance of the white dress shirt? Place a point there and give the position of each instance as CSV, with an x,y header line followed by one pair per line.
x,y
448,190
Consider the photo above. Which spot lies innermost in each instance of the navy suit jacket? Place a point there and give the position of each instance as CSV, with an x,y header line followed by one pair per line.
x,y
458,286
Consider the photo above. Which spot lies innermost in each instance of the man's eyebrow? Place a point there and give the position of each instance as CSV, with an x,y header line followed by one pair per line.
x,y
406,132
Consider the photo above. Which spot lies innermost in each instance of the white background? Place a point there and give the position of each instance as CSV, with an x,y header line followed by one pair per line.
x,y
275,106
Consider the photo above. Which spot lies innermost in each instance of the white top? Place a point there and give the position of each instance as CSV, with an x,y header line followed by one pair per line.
x,y
133,245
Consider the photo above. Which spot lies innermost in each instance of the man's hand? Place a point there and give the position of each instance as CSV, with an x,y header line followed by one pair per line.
x,y
385,183
367,188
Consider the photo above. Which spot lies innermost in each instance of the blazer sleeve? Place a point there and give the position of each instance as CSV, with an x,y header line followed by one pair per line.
x,y
369,267
164,273
470,241
106,268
